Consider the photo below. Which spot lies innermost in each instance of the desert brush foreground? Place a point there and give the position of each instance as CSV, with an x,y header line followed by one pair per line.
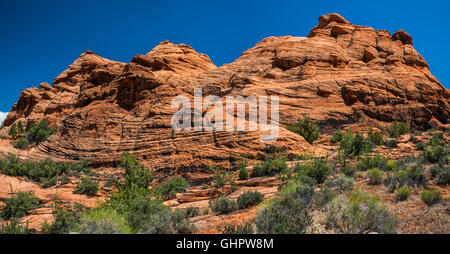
x,y
363,143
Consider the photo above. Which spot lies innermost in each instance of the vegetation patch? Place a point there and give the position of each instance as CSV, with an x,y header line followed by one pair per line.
x,y
360,213
18,205
305,128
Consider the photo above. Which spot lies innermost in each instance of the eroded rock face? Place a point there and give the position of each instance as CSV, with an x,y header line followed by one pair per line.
x,y
337,74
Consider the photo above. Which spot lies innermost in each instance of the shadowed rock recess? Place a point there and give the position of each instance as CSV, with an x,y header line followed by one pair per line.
x,y
337,74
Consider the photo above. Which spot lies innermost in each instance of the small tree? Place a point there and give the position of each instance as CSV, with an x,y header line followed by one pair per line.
x,y
13,131
20,127
87,186
305,128
40,132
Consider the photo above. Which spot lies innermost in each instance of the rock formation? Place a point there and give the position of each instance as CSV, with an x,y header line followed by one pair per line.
x,y
338,74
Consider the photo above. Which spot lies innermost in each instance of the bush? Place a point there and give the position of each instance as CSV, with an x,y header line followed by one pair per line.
x,y
391,165
249,198
359,214
367,162
342,182
136,174
305,128
402,193
270,167
243,172
397,129
392,143
43,171
13,227
102,221
407,174
176,184
375,176
20,128
245,228
64,223
87,186
337,136
49,182
431,197
442,174
192,212
21,143
436,151
302,193
319,170
13,131
376,137
284,215
353,145
39,132
18,205
324,196
223,205
306,180
349,170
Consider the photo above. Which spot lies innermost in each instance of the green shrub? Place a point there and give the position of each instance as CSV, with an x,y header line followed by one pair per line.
x,y
167,189
431,197
353,145
13,227
375,176
402,193
342,182
397,129
205,211
49,182
337,136
102,221
137,175
20,128
285,215
21,143
376,137
306,180
391,165
243,174
192,212
220,178
358,214
305,128
270,167
409,173
41,171
392,143
324,196
441,174
13,131
436,151
249,198
18,205
223,205
39,132
64,223
243,171
87,186
349,170
319,170
302,193
367,162
245,228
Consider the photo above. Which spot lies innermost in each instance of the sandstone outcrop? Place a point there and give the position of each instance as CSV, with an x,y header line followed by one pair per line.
x,y
337,74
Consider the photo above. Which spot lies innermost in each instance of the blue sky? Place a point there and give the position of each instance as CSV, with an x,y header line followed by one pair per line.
x,y
39,39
